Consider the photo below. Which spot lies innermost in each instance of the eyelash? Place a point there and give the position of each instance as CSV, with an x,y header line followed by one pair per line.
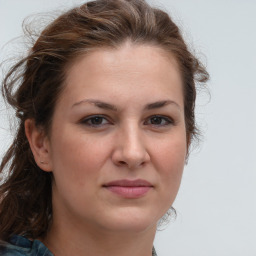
x,y
89,121
167,120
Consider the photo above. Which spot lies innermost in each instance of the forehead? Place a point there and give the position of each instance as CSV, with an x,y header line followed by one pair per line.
x,y
118,72
126,56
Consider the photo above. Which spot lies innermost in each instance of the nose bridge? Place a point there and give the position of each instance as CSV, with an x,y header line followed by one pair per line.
x,y
132,150
132,140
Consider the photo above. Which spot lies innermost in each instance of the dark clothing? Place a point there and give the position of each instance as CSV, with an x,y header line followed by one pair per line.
x,y
21,246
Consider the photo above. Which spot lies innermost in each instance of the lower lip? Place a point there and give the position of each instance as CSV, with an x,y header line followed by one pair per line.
x,y
129,192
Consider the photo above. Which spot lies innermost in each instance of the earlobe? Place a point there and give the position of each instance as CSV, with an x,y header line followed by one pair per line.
x,y
39,145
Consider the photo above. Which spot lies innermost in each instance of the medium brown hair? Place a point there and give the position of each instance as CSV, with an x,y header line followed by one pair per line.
x,y
33,85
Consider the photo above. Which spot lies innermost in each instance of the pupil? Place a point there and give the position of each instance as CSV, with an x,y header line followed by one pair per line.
x,y
97,120
156,120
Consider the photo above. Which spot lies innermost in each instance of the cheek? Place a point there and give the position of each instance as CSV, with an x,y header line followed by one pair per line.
x,y
77,163
171,153
77,156
170,160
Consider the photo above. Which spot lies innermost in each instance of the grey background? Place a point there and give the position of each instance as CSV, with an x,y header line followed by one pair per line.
x,y
216,203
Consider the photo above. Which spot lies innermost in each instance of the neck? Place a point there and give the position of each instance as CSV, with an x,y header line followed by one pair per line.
x,y
72,240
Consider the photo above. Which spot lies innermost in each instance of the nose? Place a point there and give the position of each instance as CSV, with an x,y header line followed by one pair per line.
x,y
130,149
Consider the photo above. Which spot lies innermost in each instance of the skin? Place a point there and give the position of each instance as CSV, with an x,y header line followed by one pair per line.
x,y
124,142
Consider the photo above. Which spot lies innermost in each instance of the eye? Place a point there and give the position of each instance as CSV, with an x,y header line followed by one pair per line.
x,y
95,121
158,120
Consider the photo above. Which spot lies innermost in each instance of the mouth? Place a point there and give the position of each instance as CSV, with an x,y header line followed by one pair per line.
x,y
129,188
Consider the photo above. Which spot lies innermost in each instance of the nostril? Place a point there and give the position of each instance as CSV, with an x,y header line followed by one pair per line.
x,y
122,162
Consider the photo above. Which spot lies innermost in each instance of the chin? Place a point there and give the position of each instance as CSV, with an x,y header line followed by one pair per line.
x,y
131,221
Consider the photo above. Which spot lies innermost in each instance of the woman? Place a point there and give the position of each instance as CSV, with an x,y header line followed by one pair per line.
x,y
105,101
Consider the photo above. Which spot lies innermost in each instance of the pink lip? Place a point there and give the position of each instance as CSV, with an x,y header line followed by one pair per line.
x,y
129,188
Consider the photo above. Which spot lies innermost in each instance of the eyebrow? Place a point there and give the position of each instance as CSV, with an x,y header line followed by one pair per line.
x,y
97,103
104,105
160,104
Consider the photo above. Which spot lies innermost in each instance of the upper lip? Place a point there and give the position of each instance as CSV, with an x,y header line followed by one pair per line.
x,y
129,183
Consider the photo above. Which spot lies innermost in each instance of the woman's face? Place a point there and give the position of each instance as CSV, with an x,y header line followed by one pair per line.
x,y
118,141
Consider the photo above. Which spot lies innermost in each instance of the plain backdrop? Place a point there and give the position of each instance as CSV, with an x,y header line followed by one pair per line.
x,y
216,204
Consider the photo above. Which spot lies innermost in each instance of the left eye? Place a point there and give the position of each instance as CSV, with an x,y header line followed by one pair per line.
x,y
159,121
95,121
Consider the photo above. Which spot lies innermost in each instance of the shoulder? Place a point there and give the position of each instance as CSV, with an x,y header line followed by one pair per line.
x,y
21,246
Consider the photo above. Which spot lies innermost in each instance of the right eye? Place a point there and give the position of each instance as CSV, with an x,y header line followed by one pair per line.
x,y
95,121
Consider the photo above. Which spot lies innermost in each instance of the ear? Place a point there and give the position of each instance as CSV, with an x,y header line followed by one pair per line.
x,y
188,147
39,144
